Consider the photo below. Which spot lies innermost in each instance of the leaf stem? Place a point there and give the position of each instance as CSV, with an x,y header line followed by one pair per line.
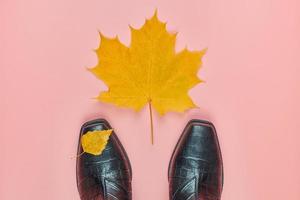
x,y
151,122
77,156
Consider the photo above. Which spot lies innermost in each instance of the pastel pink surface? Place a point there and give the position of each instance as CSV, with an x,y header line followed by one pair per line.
x,y
251,94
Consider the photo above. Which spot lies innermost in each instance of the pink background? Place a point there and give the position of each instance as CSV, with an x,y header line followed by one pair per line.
x,y
251,94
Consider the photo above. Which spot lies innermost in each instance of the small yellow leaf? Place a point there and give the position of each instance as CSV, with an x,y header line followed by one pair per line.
x,y
94,142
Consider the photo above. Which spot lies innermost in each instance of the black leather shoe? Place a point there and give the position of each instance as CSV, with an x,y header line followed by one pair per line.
x,y
107,176
195,169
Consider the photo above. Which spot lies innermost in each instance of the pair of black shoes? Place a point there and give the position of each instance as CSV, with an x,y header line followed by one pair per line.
x,y
195,169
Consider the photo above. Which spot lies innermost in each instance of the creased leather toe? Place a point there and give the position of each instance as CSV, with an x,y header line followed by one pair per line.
x,y
107,176
196,169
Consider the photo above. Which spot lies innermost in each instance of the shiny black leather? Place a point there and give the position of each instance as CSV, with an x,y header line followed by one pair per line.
x,y
107,176
196,169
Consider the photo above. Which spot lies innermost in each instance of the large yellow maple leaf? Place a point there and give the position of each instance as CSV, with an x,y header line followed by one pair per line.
x,y
149,71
